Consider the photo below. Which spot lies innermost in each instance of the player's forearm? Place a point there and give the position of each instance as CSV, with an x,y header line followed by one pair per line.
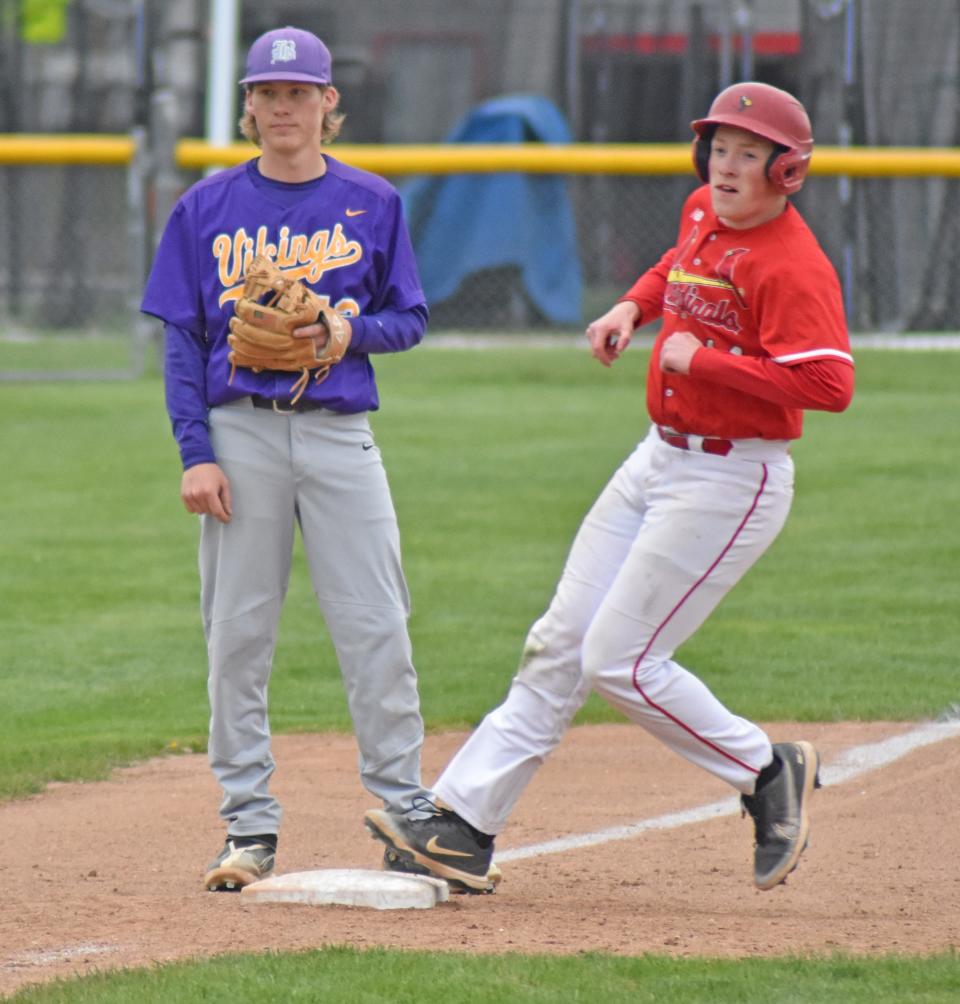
x,y
184,378
389,330
819,385
193,442
647,291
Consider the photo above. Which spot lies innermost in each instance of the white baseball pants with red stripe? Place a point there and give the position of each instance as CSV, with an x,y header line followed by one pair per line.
x,y
669,536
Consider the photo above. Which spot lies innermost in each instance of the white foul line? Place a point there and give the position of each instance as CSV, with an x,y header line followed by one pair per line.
x,y
41,957
849,765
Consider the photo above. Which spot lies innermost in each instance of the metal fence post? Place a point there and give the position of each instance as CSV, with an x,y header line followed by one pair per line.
x,y
163,142
138,231
160,156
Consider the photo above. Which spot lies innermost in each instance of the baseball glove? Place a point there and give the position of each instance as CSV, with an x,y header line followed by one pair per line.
x,y
261,334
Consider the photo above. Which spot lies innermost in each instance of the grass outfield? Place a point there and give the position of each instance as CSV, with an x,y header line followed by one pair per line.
x,y
493,458
370,977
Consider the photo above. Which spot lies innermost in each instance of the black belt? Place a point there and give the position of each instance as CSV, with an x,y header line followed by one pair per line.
x,y
284,407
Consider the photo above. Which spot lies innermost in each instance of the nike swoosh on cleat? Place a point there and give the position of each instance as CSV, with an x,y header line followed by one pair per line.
x,y
434,848
355,212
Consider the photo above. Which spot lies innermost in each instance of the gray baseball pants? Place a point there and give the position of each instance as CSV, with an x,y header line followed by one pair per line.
x,y
322,471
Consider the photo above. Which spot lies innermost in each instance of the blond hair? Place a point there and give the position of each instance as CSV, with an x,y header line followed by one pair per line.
x,y
332,122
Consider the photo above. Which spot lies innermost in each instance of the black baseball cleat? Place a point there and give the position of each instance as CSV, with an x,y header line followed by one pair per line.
x,y
392,862
443,844
779,811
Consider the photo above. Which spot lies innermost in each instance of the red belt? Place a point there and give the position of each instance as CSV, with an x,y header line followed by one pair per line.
x,y
703,444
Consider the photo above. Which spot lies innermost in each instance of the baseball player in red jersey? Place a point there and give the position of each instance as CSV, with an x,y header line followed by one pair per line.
x,y
753,334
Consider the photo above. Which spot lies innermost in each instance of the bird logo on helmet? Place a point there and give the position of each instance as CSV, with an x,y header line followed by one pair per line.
x,y
768,112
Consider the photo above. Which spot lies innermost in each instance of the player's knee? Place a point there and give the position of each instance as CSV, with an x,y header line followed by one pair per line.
x,y
607,663
596,660
547,666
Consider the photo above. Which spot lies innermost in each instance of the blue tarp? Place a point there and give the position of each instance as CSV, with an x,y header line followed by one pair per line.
x,y
464,224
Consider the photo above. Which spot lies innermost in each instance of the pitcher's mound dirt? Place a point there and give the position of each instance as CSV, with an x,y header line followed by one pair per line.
x,y
108,875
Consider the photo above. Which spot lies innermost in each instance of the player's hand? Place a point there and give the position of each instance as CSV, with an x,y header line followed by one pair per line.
x,y
677,352
610,335
205,490
320,333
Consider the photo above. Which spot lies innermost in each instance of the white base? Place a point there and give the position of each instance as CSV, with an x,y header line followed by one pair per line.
x,y
351,887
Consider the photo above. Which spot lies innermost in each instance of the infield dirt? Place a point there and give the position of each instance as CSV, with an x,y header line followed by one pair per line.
x,y
107,875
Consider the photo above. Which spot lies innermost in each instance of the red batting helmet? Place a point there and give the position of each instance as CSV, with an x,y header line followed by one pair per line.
x,y
768,112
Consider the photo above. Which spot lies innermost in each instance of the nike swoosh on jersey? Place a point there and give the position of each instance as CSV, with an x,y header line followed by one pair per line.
x,y
355,212
434,848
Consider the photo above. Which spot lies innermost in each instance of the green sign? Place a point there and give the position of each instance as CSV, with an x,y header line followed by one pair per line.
x,y
43,22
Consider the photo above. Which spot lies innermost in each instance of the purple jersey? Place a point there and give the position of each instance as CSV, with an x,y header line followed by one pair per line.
x,y
343,234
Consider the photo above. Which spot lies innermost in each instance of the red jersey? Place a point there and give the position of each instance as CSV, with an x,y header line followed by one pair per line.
x,y
768,301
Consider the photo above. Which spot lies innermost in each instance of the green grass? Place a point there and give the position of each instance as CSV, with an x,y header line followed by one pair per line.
x,y
366,977
493,459
82,351
854,606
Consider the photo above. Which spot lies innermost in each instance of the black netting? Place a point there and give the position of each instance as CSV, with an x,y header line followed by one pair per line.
x,y
874,72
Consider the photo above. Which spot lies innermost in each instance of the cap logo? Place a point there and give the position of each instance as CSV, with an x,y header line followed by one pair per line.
x,y
745,102
284,51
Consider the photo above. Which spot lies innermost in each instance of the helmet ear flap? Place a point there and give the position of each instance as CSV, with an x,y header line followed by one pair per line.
x,y
787,170
701,153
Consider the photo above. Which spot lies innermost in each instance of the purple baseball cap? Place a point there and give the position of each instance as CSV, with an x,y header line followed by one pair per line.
x,y
288,54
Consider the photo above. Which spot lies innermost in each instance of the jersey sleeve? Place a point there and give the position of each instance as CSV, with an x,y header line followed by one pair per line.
x,y
184,364
173,294
397,317
822,384
400,287
389,330
802,311
173,290
647,291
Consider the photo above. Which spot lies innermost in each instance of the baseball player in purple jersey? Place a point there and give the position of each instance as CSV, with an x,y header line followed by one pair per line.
x,y
753,334
256,465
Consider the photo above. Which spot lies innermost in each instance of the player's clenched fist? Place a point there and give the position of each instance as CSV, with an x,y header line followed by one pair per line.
x,y
677,352
610,335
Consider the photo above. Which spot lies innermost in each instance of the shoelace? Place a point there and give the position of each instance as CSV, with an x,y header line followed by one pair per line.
x,y
420,803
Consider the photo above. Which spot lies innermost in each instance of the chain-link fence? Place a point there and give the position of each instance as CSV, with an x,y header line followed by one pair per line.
x,y
616,70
